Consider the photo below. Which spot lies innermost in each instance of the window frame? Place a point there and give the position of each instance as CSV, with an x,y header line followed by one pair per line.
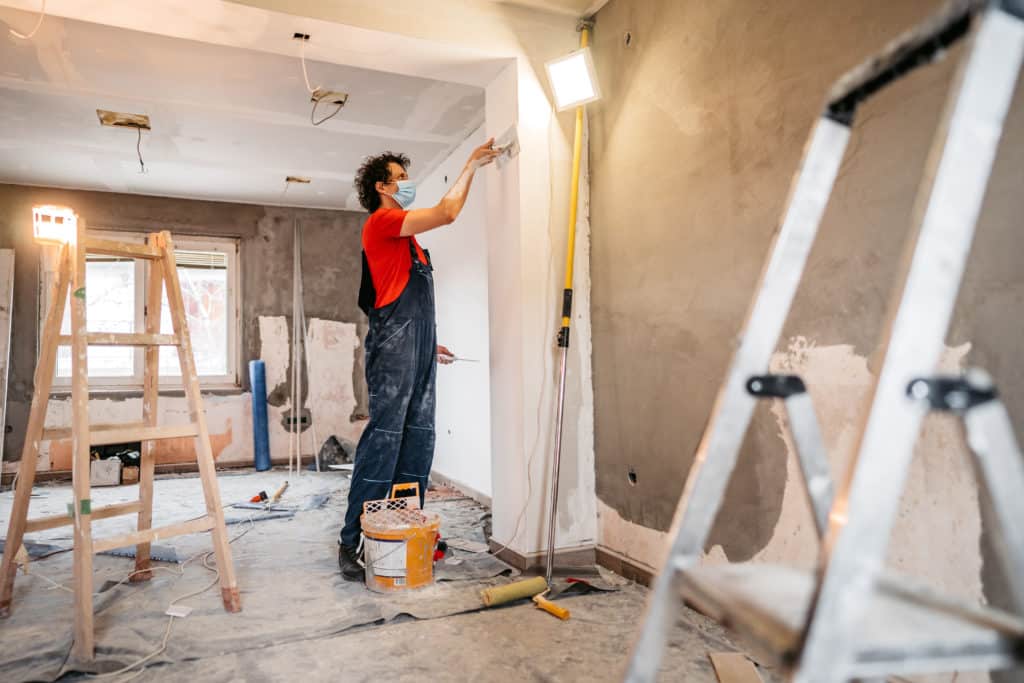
x,y
229,246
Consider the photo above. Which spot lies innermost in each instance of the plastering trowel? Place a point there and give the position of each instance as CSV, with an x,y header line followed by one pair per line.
x,y
508,145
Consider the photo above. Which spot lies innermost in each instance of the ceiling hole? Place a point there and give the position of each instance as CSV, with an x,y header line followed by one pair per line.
x,y
627,39
446,179
631,474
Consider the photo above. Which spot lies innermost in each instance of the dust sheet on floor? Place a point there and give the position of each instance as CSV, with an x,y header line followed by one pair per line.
x,y
286,559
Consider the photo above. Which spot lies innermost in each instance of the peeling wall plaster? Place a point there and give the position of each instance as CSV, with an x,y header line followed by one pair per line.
x,y
332,349
329,396
940,501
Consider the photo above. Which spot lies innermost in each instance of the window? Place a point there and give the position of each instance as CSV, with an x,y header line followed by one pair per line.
x,y
115,302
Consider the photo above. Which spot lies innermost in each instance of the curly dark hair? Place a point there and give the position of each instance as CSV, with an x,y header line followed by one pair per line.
x,y
375,170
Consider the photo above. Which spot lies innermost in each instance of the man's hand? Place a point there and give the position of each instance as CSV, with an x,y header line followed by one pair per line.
x,y
444,356
483,155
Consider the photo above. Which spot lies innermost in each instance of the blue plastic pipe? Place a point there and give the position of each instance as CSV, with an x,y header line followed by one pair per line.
x,y
260,437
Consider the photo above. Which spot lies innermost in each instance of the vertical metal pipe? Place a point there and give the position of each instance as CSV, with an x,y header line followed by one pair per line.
x,y
555,465
563,336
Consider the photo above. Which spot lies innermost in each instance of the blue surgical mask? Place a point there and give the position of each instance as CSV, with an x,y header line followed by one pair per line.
x,y
406,194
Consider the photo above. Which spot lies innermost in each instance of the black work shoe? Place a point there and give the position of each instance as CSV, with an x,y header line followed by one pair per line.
x,y
348,562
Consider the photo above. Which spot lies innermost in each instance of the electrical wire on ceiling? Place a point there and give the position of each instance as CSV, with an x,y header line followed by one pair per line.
x,y
313,90
302,58
30,34
312,114
138,150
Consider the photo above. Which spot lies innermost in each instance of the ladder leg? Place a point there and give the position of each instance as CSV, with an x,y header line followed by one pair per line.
x,y
716,455
813,459
82,506
810,448
1001,465
42,383
150,398
949,203
204,453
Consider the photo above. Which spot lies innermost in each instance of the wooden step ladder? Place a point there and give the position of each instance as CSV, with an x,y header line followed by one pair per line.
x,y
159,252
850,618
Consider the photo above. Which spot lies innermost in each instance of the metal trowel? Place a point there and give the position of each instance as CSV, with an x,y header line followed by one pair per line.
x,y
508,145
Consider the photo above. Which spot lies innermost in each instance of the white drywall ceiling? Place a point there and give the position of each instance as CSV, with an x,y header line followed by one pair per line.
x,y
228,123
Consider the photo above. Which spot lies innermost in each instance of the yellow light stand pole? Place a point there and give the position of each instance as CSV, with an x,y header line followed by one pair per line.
x,y
563,333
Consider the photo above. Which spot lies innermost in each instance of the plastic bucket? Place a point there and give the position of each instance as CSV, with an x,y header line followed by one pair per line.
x,y
399,542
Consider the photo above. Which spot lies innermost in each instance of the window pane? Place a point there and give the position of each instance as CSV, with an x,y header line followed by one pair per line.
x,y
205,293
110,307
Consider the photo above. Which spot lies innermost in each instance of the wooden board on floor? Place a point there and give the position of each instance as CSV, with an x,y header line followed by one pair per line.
x,y
734,667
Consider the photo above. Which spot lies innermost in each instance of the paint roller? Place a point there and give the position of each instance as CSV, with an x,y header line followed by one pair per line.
x,y
535,588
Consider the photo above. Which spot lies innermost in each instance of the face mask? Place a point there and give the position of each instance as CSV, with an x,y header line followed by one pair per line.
x,y
406,194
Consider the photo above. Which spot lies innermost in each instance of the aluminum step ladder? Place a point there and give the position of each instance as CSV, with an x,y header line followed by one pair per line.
x,y
850,619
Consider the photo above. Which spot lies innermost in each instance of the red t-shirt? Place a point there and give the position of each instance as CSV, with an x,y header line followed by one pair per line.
x,y
387,252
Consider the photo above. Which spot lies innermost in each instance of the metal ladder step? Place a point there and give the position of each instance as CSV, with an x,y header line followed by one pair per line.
x,y
768,604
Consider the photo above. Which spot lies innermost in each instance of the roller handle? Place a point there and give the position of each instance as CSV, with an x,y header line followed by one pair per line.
x,y
550,607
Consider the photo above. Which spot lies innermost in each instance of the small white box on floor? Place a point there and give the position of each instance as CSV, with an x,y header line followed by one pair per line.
x,y
105,472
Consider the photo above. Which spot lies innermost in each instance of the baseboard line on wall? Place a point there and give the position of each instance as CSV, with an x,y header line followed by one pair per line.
x,y
624,566
445,480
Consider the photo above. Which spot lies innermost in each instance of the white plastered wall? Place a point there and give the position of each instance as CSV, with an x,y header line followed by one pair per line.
x,y
459,254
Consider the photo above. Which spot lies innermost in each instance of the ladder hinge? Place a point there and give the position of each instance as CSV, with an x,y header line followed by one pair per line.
x,y
775,386
951,394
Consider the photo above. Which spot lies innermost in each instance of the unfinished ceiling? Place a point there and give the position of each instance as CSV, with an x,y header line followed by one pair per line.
x,y
228,124
578,8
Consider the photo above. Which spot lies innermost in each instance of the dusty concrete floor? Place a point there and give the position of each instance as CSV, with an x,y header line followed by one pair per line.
x,y
298,616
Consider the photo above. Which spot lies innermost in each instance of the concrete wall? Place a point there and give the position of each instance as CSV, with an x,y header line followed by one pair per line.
x,y
459,255
693,149
331,278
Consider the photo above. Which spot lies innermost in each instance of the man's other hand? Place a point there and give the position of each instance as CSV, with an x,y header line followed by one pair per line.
x,y
444,356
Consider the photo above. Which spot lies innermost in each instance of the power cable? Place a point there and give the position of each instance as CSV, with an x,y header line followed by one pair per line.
x,y
138,150
302,58
30,34
312,113
170,620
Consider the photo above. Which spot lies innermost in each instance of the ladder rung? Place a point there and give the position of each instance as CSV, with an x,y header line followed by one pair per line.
x,y
55,521
122,339
111,248
104,435
150,535
65,432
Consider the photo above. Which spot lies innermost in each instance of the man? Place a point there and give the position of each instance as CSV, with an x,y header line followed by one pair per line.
x,y
397,445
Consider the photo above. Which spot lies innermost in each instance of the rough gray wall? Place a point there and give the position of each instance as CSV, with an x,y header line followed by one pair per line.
x,y
330,258
693,148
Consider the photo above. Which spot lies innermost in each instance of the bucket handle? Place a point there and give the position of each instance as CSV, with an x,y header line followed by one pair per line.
x,y
413,486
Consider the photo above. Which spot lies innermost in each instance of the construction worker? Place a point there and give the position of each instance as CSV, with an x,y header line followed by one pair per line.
x,y
397,293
